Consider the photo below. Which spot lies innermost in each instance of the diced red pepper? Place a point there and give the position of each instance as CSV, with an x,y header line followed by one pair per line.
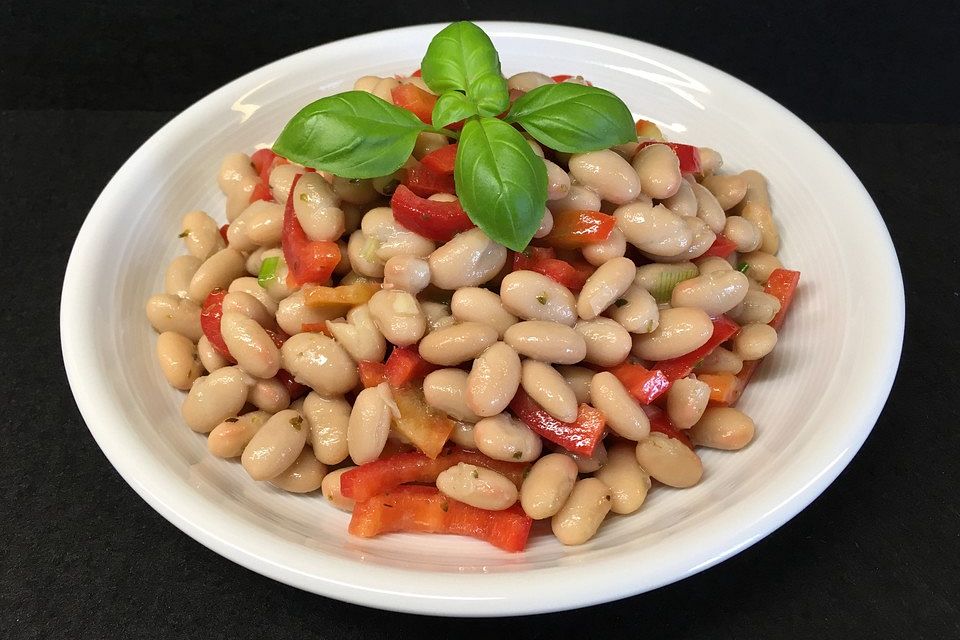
x,y
261,192
294,388
643,384
543,260
580,436
315,327
210,316
416,74
223,232
441,160
438,221
264,161
414,99
419,423
405,366
724,387
563,77
371,372
722,247
688,155
576,229
660,423
426,182
422,509
307,261
382,475
723,329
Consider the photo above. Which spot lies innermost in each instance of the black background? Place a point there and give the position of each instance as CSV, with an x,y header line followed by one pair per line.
x,y
82,84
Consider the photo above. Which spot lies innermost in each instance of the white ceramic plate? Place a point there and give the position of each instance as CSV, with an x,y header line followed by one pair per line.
x,y
814,401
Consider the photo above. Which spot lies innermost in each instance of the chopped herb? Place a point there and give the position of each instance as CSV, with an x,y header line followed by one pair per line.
x,y
621,302
475,473
607,497
743,267
296,422
268,271
698,363
542,298
184,233
526,472
517,455
304,197
232,420
390,506
650,326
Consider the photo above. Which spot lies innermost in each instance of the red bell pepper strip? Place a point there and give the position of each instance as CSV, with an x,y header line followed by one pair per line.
x,y
723,329
380,476
264,161
425,510
438,221
660,423
419,423
426,182
210,316
722,247
576,229
724,387
416,74
405,366
414,99
543,260
371,372
580,436
643,384
688,155
223,232
261,192
307,261
441,160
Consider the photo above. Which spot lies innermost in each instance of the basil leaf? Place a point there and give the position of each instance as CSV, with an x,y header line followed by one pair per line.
x,y
353,135
501,182
574,118
452,107
491,94
457,56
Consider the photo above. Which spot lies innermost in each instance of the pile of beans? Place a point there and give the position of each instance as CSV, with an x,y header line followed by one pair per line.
x,y
492,331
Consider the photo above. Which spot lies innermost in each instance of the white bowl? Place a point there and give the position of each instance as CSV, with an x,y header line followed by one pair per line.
x,y
814,401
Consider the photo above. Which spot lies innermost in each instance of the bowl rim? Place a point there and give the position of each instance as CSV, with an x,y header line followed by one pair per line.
x,y
430,593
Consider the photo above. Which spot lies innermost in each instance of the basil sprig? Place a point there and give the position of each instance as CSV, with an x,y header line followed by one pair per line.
x,y
501,182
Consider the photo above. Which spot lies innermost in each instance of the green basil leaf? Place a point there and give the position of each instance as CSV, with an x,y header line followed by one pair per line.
x,y
574,118
501,182
491,94
456,56
353,135
452,107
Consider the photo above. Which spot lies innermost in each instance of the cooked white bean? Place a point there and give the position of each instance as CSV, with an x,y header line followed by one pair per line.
x,y
217,272
317,208
528,81
398,316
386,185
502,437
608,343
606,173
627,480
710,264
755,207
686,401
615,246
457,343
446,390
546,341
172,313
359,335
249,284
669,461
681,330
438,315
591,463
744,233
201,235
583,512
546,387
293,312
362,254
478,487
473,304
546,224
245,304
320,363
369,424
638,312
428,142
654,229
229,438
210,357
354,190
330,488
683,202
303,476
328,419
281,178
659,170
757,308
268,218
534,296
462,434
720,360
237,179
605,286
391,238
468,260
710,160
176,280
214,398
578,198
493,380
728,190
723,428
380,87
275,446
760,265
407,273
558,182
701,239
178,358
754,341
579,380
251,346
716,292
548,485
708,208
623,413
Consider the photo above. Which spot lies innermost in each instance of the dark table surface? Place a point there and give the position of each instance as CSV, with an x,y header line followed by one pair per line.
x,y
83,84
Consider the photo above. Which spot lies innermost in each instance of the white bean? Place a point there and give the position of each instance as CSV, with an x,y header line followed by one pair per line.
x,y
303,476
229,438
627,480
473,304
446,390
330,488
548,485
214,398
320,363
608,343
502,437
217,272
398,316
546,387
478,487
659,170
754,341
681,330
201,235
250,345
583,512
534,296
723,428
369,424
669,461
547,341
493,380
275,446
176,280
686,401
178,358
623,413
654,229
172,313
605,286
615,246
606,173
716,292
468,260
359,335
